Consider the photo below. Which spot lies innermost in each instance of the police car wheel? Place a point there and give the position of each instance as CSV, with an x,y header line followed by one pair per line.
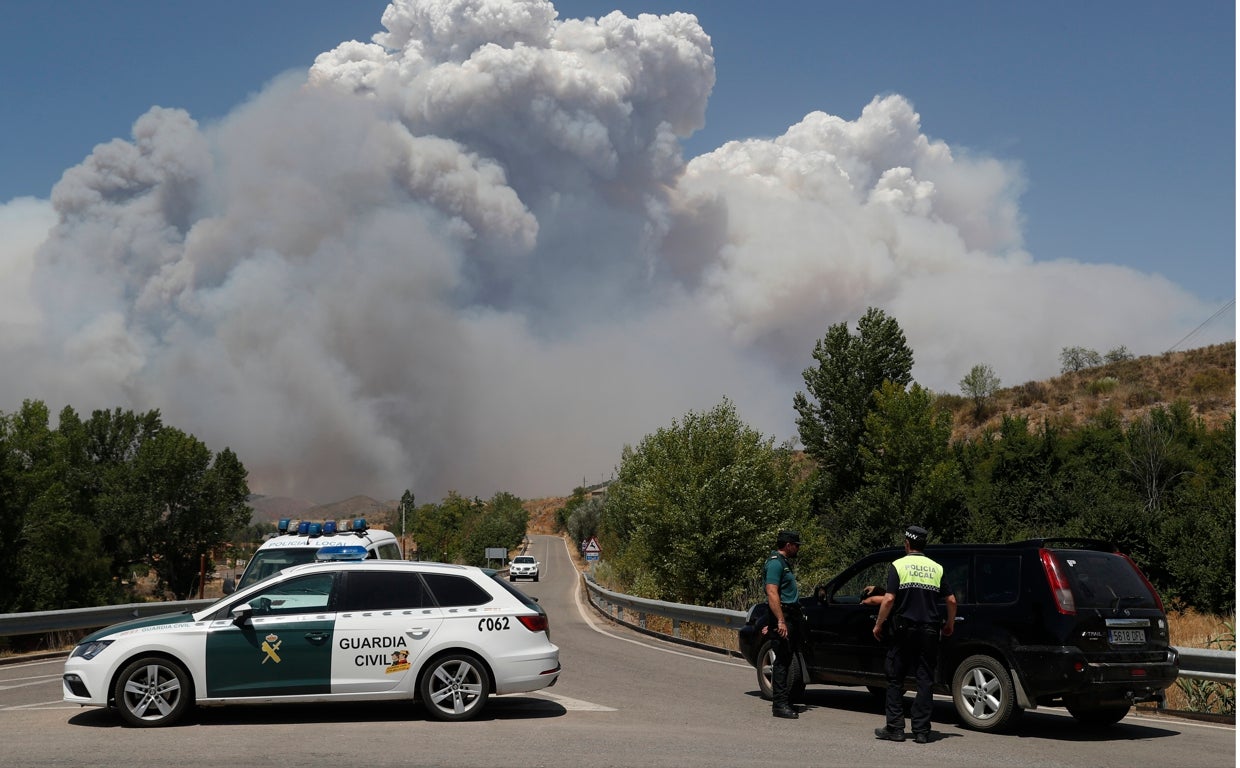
x,y
454,687
983,693
152,691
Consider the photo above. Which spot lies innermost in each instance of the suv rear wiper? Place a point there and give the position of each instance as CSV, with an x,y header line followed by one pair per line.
x,y
1119,601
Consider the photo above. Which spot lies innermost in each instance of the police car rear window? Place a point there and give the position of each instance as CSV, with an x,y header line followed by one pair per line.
x,y
455,591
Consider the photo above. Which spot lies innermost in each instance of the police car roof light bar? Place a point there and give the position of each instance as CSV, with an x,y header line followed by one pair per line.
x,y
283,525
303,528
329,528
351,552
359,525
316,530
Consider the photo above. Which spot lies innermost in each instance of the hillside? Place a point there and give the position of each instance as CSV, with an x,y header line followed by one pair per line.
x,y
1205,378
270,509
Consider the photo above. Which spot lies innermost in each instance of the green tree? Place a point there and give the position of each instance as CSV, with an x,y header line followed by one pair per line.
x,y
696,506
584,521
841,387
189,504
980,385
1198,536
562,515
1118,355
113,439
1073,359
910,476
56,560
501,522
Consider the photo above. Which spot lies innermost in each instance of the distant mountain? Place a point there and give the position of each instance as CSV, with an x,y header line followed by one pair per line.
x,y
271,509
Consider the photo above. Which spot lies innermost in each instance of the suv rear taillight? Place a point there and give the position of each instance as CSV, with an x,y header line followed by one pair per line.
x,y
1060,588
536,623
1157,598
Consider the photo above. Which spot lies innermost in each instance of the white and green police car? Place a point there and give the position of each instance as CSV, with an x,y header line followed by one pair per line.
x,y
345,630
298,542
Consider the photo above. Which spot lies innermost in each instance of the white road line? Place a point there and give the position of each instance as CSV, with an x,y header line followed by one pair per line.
x,y
574,705
58,704
584,611
43,681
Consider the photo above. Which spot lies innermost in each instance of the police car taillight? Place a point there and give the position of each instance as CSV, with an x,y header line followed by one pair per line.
x,y
536,623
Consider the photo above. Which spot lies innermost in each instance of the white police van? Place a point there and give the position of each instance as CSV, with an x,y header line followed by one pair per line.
x,y
350,629
297,543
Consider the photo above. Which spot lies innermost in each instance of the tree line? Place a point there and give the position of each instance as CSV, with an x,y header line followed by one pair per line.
x,y
460,530
695,507
91,502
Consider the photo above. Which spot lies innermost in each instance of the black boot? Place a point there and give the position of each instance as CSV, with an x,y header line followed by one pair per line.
x,y
784,711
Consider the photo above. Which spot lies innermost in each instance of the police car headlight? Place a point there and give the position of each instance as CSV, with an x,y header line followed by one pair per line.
x,y
90,650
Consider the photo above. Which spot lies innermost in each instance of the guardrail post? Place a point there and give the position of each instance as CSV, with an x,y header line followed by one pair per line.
x,y
675,627
641,619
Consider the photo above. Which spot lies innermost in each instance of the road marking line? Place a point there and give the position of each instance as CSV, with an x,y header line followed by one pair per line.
x,y
583,610
574,705
58,704
44,681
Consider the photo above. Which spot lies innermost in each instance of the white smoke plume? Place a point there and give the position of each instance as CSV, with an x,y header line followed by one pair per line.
x,y
469,255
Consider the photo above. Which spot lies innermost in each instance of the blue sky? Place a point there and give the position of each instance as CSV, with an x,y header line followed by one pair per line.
x,y
1122,114
350,270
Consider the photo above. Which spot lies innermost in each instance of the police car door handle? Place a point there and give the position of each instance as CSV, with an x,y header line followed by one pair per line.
x,y
417,633
317,637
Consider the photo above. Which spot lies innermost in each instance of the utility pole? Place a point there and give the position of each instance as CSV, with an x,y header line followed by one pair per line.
x,y
406,504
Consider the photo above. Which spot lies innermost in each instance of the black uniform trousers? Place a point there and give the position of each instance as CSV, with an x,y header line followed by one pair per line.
x,y
914,648
786,668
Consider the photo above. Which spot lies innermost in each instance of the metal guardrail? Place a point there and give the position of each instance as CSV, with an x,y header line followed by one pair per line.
x,y
1196,663
89,618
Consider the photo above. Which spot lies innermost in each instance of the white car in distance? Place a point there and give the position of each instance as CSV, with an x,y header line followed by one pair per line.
x,y
523,567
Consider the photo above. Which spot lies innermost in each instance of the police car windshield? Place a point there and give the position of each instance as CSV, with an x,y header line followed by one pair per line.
x,y
268,563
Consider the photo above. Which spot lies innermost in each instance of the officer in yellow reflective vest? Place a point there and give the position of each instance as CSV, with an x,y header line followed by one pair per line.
x,y
915,585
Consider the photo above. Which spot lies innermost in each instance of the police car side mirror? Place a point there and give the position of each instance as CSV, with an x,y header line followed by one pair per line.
x,y
242,613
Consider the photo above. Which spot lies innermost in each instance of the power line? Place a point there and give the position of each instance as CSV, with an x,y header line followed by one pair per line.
x,y
1193,332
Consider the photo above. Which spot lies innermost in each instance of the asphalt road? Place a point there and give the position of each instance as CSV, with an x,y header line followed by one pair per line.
x,y
624,699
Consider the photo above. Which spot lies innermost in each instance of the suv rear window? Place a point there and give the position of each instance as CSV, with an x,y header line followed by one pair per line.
x,y
1104,580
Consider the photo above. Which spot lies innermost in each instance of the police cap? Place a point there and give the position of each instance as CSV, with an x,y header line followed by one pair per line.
x,y
916,534
787,537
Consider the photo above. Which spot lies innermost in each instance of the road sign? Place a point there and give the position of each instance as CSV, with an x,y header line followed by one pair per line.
x,y
591,546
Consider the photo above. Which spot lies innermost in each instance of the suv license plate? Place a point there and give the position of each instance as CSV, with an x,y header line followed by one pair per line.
x,y
1127,636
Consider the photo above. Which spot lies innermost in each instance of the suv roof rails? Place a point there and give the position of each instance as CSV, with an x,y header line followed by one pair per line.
x,y
1068,541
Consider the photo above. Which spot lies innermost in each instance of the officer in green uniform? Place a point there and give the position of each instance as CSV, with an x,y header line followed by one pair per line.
x,y
786,628
915,585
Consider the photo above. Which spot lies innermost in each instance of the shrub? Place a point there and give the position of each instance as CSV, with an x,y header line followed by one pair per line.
x,y
1030,393
1102,386
1210,381
1143,396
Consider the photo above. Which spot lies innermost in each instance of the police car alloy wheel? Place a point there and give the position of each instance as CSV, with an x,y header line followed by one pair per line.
x,y
152,691
454,687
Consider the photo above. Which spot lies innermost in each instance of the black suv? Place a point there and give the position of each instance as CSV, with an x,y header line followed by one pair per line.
x,y
1040,622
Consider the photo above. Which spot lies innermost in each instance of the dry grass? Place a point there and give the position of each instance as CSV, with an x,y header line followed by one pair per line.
x,y
1203,377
